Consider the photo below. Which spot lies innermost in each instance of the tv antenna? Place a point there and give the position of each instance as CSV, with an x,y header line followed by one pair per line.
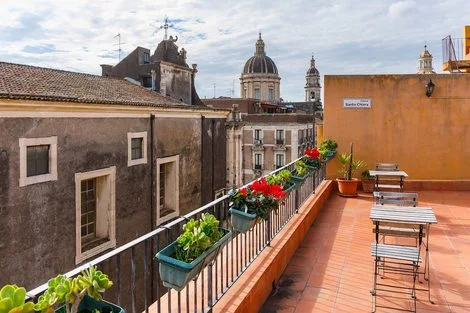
x,y
119,45
214,90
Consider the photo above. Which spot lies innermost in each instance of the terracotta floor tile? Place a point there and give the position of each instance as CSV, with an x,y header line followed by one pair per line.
x,y
332,271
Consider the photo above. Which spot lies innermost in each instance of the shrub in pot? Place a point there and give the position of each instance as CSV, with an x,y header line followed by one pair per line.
x,y
312,159
194,249
282,178
327,149
254,203
300,172
347,185
368,182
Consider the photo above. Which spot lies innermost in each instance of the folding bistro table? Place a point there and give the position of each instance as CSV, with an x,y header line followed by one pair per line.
x,y
388,179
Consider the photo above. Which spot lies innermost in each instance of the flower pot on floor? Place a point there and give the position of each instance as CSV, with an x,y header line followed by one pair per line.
x,y
368,185
177,274
242,221
347,188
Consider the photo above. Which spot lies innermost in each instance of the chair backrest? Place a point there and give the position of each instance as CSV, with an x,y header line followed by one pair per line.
x,y
396,198
386,166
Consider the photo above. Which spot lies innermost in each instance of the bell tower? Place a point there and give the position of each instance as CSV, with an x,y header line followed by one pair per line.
x,y
312,85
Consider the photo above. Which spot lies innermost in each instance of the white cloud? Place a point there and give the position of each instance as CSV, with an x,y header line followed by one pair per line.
x,y
346,36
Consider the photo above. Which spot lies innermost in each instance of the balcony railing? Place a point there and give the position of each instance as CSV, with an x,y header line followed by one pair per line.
x,y
258,166
134,270
279,141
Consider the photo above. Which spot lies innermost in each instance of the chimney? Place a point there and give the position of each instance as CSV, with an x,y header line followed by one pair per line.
x,y
154,77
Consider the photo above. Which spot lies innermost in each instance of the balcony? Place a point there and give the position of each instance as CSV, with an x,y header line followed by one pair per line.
x,y
258,167
134,271
280,145
257,145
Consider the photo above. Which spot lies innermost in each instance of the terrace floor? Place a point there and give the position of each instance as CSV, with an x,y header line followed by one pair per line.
x,y
332,270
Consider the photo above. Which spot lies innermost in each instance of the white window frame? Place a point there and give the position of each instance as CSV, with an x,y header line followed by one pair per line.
x,y
283,158
176,160
262,159
109,218
142,160
24,143
261,134
271,93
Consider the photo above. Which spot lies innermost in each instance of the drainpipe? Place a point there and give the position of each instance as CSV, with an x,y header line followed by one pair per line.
x,y
202,158
152,189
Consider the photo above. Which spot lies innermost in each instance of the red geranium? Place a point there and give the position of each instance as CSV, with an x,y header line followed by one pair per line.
x,y
312,153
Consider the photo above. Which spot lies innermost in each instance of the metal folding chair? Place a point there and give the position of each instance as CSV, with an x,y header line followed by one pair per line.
x,y
398,259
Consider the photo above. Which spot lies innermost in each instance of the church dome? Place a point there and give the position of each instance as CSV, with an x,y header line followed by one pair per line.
x,y
260,62
312,71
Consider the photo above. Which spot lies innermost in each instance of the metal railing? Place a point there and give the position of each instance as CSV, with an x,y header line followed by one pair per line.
x,y
134,270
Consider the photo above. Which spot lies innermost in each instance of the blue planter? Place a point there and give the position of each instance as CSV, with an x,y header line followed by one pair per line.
x,y
88,304
176,274
242,221
330,155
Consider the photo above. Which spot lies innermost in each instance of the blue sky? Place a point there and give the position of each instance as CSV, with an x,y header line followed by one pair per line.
x,y
346,37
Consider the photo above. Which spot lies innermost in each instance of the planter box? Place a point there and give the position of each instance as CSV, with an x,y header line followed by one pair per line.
x,y
89,305
298,179
176,274
329,155
242,221
368,185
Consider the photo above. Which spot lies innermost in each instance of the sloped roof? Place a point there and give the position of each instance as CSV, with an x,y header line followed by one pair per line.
x,y
18,81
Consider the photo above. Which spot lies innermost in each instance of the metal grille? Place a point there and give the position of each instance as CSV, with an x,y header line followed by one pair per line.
x,y
162,187
88,210
37,160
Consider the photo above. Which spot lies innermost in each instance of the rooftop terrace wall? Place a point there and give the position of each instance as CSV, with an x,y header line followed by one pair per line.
x,y
427,136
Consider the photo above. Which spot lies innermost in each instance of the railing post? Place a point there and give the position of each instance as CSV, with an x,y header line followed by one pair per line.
x,y
209,285
268,229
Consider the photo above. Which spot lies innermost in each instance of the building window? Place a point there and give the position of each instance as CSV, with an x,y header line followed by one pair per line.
x,y
257,136
38,160
146,57
312,94
95,199
258,161
279,136
246,93
136,148
257,93
279,160
147,82
167,188
271,94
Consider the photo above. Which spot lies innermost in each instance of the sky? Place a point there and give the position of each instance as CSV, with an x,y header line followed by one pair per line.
x,y
345,36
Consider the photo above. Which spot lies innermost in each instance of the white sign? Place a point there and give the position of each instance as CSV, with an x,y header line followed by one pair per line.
x,y
357,103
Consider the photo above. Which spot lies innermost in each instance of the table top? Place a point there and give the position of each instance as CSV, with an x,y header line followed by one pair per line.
x,y
403,214
387,173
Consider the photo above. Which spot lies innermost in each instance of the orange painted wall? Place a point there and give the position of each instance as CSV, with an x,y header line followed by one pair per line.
x,y
428,137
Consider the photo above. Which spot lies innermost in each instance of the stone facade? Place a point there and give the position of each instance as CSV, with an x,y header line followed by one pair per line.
x,y
179,165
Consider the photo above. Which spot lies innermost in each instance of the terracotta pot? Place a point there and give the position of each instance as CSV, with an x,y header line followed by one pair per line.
x,y
368,185
347,188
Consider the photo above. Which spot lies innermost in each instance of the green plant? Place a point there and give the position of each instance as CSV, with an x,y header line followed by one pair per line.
x,y
366,176
348,164
300,168
70,291
197,236
329,145
12,300
280,178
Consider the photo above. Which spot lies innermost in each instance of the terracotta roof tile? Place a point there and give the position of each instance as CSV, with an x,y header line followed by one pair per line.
x,y
19,81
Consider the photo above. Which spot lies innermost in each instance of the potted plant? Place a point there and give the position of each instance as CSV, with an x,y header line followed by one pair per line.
x,y
368,182
347,185
282,178
197,246
327,149
254,203
12,300
312,159
300,172
79,294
